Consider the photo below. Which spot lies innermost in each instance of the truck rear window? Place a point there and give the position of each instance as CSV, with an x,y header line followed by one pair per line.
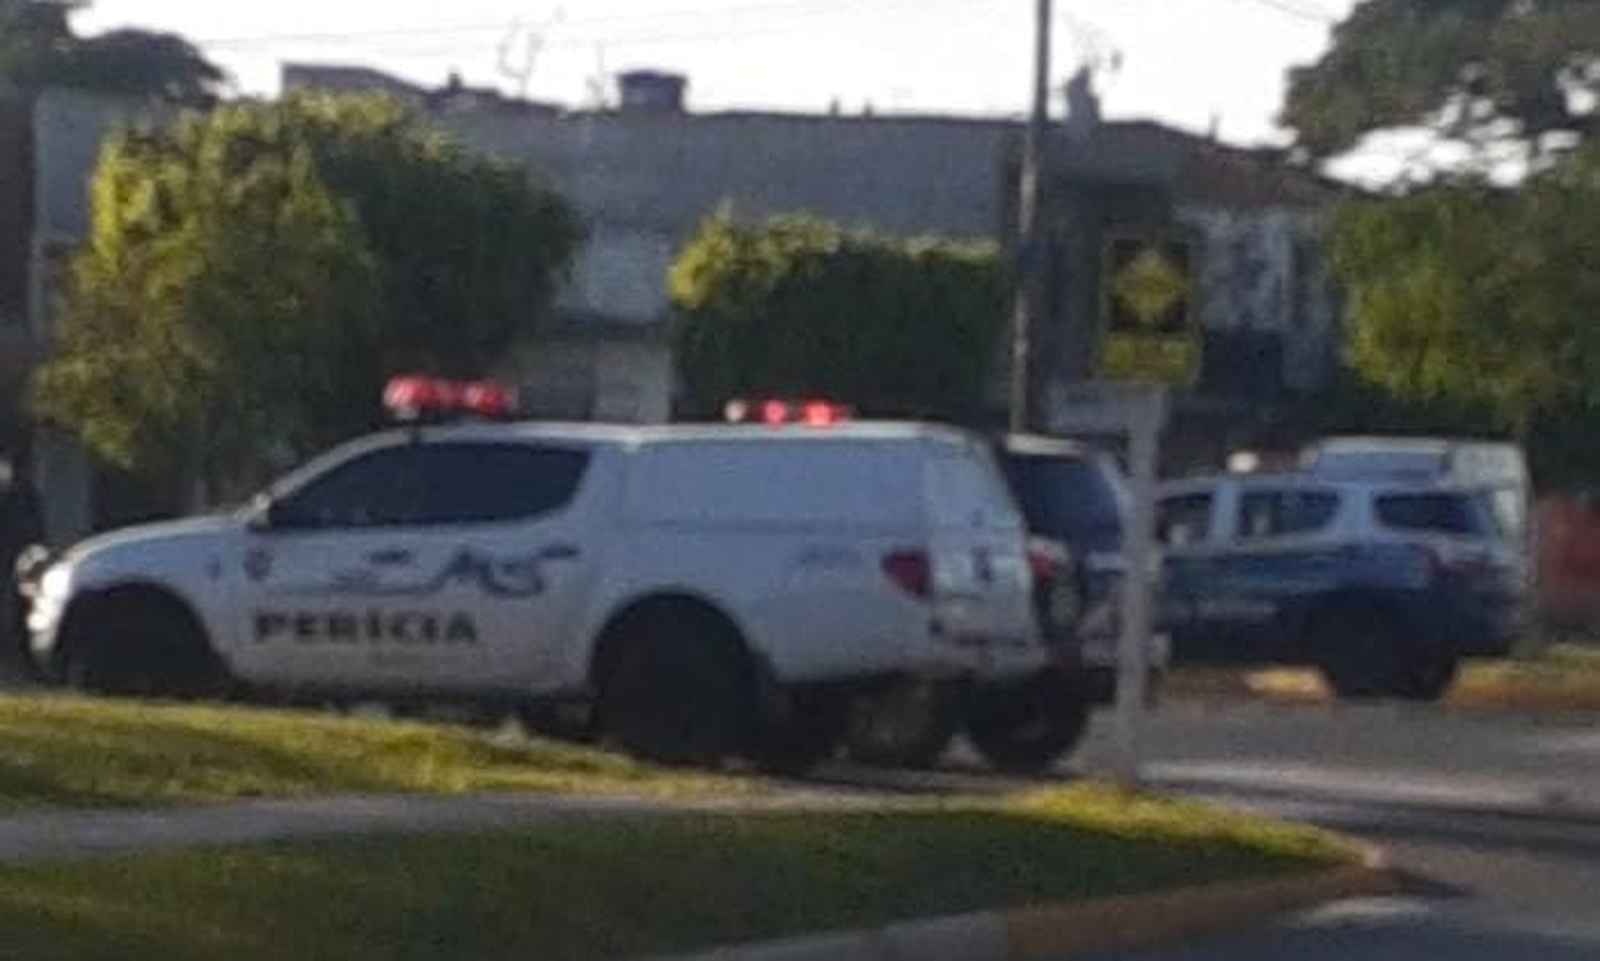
x,y
1435,514
1078,500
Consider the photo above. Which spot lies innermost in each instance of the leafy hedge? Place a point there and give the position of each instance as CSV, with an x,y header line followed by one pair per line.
x,y
800,306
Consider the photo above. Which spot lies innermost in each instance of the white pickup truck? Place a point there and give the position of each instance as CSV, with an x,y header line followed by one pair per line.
x,y
702,590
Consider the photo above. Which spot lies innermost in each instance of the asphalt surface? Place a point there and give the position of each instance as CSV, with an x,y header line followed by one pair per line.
x,y
1494,820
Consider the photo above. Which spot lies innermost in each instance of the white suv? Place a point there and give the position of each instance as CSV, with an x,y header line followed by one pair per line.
x,y
711,590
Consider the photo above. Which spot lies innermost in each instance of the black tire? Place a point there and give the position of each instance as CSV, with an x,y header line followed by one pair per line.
x,y
909,724
1369,653
1427,676
1026,729
677,694
142,645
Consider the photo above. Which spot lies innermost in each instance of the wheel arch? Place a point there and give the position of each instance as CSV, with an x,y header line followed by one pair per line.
x,y
608,640
78,618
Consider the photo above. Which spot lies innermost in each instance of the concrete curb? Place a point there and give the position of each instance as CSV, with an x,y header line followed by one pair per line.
x,y
1058,931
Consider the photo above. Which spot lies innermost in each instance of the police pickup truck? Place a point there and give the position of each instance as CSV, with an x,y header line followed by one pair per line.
x,y
701,591
1384,585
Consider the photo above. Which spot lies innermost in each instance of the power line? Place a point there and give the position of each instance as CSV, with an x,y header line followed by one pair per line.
x,y
1300,10
807,7
643,38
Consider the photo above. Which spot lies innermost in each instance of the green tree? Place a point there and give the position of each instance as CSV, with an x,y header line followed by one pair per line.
x,y
254,273
38,48
1475,71
799,306
1470,295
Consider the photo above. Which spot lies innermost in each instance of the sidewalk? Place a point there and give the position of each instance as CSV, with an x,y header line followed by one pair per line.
x,y
64,835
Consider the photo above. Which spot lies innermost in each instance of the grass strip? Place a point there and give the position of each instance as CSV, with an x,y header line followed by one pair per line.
x,y
81,752
634,887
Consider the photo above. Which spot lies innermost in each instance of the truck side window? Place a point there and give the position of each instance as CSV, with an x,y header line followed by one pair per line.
x,y
1264,514
1185,519
480,483
383,488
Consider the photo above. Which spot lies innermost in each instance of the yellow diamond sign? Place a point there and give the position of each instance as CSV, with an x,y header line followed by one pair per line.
x,y
1150,286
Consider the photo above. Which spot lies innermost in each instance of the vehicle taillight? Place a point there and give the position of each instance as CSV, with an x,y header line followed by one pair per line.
x,y
911,571
1044,563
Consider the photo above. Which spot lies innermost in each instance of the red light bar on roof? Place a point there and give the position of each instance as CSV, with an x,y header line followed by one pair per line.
x,y
413,397
777,412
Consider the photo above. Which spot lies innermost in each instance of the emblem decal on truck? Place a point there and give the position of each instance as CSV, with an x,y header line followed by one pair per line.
x,y
511,578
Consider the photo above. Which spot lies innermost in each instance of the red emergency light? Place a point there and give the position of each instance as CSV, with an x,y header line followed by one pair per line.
x,y
415,397
777,412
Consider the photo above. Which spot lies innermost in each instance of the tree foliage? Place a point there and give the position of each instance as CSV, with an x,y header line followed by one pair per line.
x,y
1471,295
1474,70
38,48
800,306
254,273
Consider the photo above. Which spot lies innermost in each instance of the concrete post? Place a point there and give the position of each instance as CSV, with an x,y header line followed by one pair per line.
x,y
1147,419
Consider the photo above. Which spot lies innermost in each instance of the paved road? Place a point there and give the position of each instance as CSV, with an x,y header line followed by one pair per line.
x,y
1519,885
1489,887
1381,752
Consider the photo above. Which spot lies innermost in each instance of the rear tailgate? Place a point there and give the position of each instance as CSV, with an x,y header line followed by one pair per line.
x,y
982,585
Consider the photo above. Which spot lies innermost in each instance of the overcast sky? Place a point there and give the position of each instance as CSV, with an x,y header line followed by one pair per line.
x,y
1183,61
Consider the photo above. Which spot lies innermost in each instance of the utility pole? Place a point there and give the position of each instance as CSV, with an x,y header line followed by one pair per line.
x,y
1031,268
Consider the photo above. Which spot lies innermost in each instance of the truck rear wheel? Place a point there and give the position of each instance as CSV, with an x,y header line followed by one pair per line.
x,y
1428,675
1358,652
677,695
1370,654
1026,729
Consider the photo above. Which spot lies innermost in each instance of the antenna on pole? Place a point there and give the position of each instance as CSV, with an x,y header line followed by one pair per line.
x,y
518,66
600,82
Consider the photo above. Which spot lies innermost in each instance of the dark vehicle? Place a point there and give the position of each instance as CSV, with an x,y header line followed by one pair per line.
x,y
1383,585
1075,502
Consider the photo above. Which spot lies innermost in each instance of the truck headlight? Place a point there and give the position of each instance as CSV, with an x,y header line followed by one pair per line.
x,y
56,582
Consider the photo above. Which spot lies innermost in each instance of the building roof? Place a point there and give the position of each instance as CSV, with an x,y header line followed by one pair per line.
x,y
1201,169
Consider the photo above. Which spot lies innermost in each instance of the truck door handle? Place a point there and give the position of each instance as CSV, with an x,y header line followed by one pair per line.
x,y
560,552
391,557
